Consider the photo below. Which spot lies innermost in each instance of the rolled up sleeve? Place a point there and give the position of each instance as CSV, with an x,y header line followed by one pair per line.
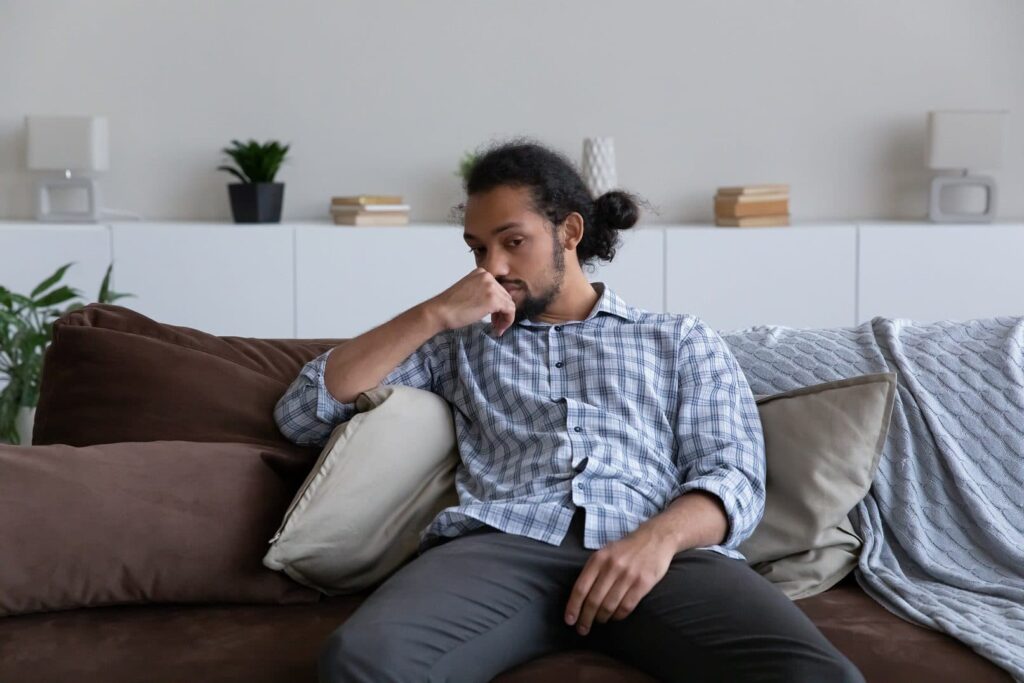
x,y
719,439
308,412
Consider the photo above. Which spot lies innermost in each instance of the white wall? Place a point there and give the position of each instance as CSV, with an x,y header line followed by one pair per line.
x,y
830,96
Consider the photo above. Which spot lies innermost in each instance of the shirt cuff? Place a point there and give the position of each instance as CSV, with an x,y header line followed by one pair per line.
x,y
742,510
329,409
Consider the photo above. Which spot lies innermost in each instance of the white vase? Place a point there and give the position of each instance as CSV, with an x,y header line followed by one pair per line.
x,y
598,166
24,421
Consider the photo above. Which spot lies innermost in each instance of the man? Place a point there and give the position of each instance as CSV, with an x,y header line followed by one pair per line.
x,y
612,460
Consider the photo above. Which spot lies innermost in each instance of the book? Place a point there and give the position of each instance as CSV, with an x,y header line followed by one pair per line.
x,y
365,199
752,221
372,219
353,208
746,198
754,189
733,209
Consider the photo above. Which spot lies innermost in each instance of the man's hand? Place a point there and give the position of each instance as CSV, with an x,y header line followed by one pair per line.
x,y
471,298
618,576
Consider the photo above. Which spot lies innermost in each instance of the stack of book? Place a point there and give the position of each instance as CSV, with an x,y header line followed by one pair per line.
x,y
369,209
752,205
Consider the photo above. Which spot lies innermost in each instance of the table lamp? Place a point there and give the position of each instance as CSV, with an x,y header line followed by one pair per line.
x,y
67,144
965,141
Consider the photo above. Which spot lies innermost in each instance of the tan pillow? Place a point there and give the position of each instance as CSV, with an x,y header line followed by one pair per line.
x,y
380,480
822,446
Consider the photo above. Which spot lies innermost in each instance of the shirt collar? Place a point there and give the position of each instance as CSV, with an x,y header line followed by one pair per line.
x,y
608,302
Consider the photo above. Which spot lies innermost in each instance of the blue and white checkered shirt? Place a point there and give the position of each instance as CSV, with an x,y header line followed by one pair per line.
x,y
619,413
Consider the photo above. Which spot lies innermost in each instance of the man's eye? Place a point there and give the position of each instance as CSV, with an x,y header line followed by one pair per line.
x,y
515,243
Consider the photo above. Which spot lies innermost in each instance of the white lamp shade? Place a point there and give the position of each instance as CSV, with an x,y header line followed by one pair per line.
x,y
76,143
965,139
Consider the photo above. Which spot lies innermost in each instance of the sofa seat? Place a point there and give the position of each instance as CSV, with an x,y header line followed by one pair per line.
x,y
279,643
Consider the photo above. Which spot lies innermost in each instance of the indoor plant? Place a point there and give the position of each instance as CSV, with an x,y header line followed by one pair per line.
x,y
26,328
257,198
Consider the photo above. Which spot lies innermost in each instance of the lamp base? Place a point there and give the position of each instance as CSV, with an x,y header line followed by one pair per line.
x,y
940,183
45,187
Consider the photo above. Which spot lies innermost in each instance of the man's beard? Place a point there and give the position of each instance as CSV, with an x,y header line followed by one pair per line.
x,y
533,306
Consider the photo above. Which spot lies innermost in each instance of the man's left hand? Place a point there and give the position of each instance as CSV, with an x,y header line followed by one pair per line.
x,y
618,576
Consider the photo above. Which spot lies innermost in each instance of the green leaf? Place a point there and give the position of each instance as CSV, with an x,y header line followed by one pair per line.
x,y
50,281
238,174
57,296
105,285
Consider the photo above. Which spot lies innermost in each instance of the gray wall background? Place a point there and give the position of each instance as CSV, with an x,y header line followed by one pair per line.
x,y
383,96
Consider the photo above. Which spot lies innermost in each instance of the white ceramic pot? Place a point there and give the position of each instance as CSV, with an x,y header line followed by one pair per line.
x,y
598,165
26,418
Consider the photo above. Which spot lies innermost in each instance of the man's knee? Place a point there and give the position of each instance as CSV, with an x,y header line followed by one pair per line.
x,y
358,653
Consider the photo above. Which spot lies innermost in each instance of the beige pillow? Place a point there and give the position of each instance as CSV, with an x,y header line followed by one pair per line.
x,y
380,480
822,446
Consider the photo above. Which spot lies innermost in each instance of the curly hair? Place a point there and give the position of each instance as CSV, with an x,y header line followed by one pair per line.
x,y
556,190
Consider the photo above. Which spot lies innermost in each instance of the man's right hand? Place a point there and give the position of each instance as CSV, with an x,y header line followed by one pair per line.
x,y
473,297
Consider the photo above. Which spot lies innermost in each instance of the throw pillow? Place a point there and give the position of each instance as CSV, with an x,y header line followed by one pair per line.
x,y
380,479
822,443
162,521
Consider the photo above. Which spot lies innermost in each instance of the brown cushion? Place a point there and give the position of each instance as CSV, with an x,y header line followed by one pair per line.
x,y
112,374
164,521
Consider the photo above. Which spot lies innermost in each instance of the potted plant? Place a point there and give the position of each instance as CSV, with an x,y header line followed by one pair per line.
x,y
257,198
26,328
466,165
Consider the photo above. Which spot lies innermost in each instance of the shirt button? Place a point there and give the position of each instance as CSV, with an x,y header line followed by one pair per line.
x,y
579,484
577,429
558,328
558,364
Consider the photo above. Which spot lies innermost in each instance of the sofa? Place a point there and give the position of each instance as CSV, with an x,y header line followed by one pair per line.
x,y
116,380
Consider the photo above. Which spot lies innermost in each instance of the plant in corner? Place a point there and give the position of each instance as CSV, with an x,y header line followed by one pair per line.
x,y
257,198
466,165
26,328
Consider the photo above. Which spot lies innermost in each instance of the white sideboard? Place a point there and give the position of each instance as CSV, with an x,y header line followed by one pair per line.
x,y
321,280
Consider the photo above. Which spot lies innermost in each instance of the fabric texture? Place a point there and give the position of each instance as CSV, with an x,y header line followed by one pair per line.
x,y
823,443
161,521
381,478
444,617
108,363
943,525
619,413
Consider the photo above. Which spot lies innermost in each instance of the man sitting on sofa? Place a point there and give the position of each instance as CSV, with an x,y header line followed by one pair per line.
x,y
612,460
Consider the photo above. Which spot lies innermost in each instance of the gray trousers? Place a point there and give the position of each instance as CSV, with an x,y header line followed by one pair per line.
x,y
480,604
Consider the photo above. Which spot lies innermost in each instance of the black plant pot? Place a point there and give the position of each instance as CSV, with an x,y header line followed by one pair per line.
x,y
256,202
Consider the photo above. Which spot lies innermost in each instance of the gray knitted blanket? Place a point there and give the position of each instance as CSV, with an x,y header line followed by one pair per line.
x,y
943,524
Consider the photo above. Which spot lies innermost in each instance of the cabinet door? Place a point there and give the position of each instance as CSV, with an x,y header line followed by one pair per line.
x,y
929,272
351,279
637,272
222,279
30,252
797,276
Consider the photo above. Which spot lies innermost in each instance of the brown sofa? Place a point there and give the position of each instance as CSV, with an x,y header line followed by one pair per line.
x,y
112,375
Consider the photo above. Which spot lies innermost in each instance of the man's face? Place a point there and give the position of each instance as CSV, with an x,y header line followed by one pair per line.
x,y
516,246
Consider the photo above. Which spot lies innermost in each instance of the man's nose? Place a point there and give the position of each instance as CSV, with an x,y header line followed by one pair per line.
x,y
496,264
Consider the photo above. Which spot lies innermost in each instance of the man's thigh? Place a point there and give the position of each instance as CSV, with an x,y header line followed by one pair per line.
x,y
713,618
464,611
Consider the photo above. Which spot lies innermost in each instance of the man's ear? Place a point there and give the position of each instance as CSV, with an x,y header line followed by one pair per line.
x,y
572,229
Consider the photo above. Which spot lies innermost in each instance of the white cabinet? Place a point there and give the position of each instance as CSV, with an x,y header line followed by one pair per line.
x,y
798,276
30,252
636,273
222,279
352,279
933,272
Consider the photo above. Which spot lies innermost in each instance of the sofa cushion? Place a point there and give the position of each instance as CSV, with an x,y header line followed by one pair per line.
x,y
380,479
164,521
112,374
822,446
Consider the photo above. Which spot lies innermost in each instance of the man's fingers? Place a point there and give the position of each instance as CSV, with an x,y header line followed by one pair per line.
x,y
594,600
629,602
579,591
611,602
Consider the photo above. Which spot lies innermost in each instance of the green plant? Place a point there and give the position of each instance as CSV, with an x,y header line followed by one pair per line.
x,y
26,328
256,163
466,164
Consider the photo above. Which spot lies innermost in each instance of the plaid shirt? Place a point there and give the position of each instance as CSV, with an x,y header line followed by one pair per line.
x,y
619,413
